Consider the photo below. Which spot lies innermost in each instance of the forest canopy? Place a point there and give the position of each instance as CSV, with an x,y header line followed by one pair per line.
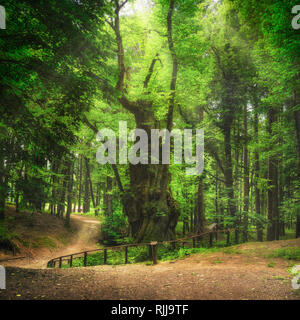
x,y
71,68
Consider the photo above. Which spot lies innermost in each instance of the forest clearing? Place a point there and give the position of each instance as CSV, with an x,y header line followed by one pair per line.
x,y
150,149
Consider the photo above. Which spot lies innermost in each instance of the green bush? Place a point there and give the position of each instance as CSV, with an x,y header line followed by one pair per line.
x,y
139,254
7,237
114,228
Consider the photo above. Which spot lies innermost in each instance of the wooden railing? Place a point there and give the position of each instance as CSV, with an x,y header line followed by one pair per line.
x,y
16,258
58,261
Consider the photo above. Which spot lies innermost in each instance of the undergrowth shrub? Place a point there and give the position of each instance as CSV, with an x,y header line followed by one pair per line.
x,y
286,253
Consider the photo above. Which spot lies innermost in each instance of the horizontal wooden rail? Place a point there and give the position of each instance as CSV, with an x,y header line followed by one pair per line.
x,y
152,248
23,257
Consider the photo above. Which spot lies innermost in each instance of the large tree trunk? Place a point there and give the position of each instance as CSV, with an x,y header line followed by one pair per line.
x,y
152,212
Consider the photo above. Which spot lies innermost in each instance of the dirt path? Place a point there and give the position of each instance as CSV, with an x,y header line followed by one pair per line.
x,y
86,238
213,276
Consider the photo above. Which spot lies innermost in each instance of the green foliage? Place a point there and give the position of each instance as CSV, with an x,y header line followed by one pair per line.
x,y
5,234
7,237
114,228
140,254
165,254
286,253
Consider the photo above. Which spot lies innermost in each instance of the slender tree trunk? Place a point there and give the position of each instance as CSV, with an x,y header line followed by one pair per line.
x,y
62,198
229,180
272,232
3,189
80,185
259,226
69,194
86,202
108,196
298,226
246,178
297,125
216,194
98,196
297,128
55,167
91,184
75,183
200,212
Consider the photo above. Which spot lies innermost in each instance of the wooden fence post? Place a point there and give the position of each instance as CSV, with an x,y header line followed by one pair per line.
x,y
105,256
84,259
126,254
71,261
154,251
194,242
60,262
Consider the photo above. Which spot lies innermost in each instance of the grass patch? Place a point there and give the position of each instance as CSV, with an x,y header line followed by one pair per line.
x,y
44,242
286,253
232,250
271,264
64,240
165,253
89,214
217,261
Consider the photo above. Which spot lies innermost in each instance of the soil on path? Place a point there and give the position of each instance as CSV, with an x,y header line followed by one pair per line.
x,y
86,237
243,274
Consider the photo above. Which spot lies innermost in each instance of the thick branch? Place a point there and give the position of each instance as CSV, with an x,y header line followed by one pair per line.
x,y
123,4
150,71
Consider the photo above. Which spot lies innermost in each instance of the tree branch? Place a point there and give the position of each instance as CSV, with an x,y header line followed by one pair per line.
x,y
123,4
150,71
175,66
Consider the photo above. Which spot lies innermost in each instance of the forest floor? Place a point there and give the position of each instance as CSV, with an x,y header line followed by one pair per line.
x,y
239,272
244,271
